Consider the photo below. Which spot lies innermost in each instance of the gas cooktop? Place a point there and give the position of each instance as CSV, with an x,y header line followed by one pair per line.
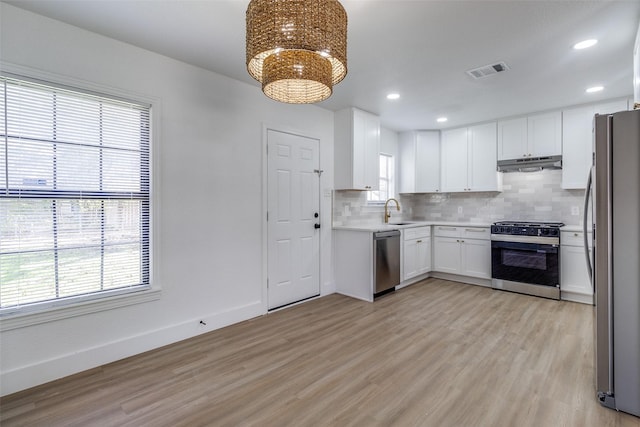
x,y
528,224
527,228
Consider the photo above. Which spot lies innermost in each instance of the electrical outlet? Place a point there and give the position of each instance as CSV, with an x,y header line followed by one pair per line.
x,y
575,210
460,210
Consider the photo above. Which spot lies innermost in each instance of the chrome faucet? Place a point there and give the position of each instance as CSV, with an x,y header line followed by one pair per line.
x,y
387,215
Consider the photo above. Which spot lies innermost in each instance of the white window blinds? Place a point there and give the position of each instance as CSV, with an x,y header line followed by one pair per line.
x,y
74,195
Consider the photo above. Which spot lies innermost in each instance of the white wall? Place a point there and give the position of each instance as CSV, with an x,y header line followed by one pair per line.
x,y
210,191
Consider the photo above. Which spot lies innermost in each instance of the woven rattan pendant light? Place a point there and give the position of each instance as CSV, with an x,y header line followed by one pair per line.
x,y
297,49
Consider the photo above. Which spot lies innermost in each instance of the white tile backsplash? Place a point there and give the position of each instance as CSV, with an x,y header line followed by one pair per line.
x,y
535,196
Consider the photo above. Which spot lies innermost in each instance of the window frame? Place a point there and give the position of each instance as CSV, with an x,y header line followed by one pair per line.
x,y
62,308
390,184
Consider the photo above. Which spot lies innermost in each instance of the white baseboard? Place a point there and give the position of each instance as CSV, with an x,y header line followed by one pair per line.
x,y
48,370
576,297
328,288
463,279
413,280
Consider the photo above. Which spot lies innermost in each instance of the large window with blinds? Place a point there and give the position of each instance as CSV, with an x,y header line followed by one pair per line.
x,y
74,195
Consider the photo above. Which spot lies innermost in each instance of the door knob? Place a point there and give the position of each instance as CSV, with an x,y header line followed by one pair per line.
x,y
316,225
315,215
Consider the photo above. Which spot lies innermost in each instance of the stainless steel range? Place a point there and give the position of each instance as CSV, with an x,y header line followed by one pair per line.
x,y
525,257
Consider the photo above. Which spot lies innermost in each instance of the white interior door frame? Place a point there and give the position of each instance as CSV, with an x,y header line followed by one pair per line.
x,y
265,203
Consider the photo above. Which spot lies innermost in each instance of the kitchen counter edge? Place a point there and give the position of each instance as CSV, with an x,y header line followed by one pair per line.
x,y
387,227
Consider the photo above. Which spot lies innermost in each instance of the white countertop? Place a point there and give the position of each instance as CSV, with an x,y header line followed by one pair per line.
x,y
406,224
571,228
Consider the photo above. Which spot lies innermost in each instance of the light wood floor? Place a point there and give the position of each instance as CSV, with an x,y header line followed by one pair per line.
x,y
437,353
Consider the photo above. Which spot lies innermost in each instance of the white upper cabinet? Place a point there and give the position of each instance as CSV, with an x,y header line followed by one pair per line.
x,y
544,134
482,172
419,162
512,138
427,162
356,150
533,136
576,150
469,159
454,160
577,137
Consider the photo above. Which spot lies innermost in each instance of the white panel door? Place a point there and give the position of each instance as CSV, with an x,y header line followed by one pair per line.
x,y
293,210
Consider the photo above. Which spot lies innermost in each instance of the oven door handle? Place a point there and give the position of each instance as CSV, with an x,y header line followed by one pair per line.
x,y
528,247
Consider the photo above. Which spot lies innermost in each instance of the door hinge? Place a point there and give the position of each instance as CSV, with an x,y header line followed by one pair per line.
x,y
267,283
267,215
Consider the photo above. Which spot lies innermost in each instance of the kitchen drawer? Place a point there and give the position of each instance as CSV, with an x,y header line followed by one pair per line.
x,y
417,232
446,231
574,238
483,233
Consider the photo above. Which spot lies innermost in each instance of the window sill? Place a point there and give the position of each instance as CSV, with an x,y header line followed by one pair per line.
x,y
21,320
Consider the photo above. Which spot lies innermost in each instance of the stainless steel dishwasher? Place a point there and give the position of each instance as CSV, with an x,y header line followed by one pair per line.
x,y
386,261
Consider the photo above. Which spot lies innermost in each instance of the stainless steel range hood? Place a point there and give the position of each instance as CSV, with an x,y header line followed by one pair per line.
x,y
530,164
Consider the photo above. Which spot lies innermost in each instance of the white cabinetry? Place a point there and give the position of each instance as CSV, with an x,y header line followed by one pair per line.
x,y
416,251
464,251
574,278
577,141
419,162
354,263
512,139
356,150
533,136
469,159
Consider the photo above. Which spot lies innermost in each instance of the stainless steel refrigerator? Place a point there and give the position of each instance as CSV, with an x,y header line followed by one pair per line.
x,y
615,268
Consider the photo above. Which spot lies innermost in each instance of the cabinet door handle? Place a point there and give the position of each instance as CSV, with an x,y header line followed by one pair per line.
x,y
575,234
418,241
474,230
447,228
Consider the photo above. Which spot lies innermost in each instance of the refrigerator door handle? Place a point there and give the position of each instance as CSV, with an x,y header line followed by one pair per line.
x,y
587,196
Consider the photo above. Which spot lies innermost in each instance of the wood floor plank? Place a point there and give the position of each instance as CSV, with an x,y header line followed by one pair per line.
x,y
437,353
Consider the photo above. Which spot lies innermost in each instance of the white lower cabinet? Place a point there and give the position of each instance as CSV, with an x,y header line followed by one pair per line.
x,y
574,278
465,251
417,252
446,255
476,258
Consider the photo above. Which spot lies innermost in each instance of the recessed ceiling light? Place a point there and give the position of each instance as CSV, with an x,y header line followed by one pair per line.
x,y
594,89
441,119
393,96
585,44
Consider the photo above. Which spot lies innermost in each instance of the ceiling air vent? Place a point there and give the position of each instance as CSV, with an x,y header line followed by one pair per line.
x,y
487,70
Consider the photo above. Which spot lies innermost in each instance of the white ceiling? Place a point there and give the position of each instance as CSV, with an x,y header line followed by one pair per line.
x,y
420,49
